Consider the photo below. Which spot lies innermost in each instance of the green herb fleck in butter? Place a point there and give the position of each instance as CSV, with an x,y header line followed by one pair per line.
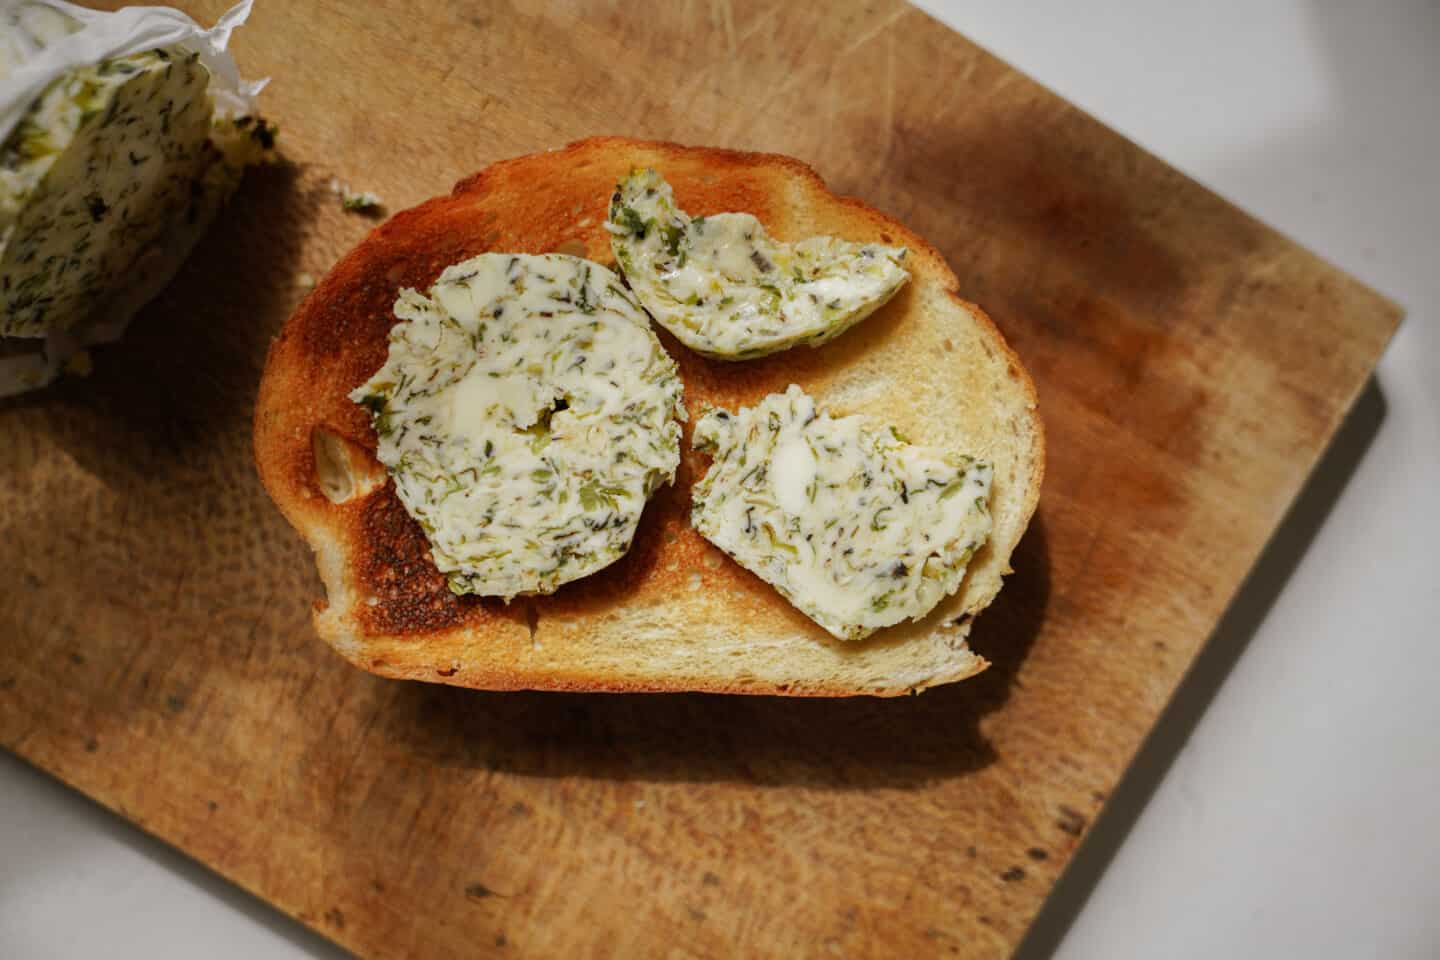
x,y
526,411
857,528
725,289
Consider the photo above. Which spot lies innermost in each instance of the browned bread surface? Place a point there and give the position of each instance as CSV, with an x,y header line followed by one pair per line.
x,y
674,613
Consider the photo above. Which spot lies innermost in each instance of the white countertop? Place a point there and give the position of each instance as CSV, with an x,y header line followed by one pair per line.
x,y
1289,803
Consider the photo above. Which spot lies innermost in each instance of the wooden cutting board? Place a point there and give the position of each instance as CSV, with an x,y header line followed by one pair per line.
x,y
155,645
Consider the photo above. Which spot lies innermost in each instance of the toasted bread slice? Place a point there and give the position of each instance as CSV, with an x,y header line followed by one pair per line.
x,y
674,613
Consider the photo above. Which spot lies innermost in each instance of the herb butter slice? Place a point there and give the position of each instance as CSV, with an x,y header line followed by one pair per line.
x,y
725,289
526,411
859,529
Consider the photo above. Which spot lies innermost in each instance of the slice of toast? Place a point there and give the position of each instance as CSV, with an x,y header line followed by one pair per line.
x,y
674,613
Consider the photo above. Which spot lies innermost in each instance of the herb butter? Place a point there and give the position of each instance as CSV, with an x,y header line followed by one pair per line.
x,y
98,168
105,184
858,528
525,411
725,289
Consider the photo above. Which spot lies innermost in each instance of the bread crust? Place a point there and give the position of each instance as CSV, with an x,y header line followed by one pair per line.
x,y
673,614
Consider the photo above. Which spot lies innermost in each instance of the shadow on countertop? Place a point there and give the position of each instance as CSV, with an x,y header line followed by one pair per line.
x,y
91,826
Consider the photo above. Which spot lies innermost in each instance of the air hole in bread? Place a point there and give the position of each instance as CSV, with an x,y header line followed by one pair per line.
x,y
343,470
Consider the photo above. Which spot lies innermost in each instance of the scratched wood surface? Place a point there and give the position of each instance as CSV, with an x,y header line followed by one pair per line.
x,y
155,646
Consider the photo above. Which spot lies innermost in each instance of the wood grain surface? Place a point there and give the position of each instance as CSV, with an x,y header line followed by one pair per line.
x,y
155,642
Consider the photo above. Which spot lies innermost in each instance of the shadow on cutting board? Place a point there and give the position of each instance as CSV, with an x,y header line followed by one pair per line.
x,y
166,399
1231,637
854,743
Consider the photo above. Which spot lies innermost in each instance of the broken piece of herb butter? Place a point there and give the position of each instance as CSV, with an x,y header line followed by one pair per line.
x,y
725,289
856,527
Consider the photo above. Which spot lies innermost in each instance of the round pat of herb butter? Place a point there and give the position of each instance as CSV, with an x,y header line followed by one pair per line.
x,y
526,412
